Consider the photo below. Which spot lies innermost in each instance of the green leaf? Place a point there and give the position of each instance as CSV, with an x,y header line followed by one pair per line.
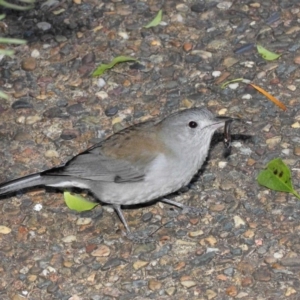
x,y
277,176
3,95
12,41
155,21
7,52
77,202
231,81
15,6
103,67
266,54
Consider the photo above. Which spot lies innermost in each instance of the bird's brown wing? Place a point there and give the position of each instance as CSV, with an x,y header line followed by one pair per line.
x,y
124,157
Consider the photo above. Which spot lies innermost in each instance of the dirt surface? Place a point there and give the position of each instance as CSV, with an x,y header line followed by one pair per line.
x,y
246,245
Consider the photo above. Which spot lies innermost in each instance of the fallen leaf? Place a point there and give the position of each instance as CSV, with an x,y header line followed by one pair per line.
x,y
103,67
266,54
155,21
277,176
77,202
269,96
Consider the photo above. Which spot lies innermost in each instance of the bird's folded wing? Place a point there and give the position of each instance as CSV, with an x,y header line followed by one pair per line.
x,y
99,167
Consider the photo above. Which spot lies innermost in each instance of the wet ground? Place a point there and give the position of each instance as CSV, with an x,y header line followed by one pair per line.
x,y
246,245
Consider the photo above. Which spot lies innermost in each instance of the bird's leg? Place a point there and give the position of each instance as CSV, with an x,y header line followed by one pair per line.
x,y
185,208
136,237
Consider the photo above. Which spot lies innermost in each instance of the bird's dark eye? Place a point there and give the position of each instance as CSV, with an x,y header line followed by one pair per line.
x,y
193,124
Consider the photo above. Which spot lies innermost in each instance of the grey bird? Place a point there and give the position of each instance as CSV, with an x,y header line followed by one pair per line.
x,y
139,164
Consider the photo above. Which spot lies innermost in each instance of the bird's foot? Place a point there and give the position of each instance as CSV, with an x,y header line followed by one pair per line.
x,y
185,208
140,237
193,211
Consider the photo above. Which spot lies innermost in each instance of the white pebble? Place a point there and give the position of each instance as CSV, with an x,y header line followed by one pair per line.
x,y
245,151
38,207
278,255
101,83
224,5
102,95
35,53
216,73
247,97
222,111
21,120
4,229
69,239
233,86
248,64
123,35
109,209
237,144
43,26
286,151
51,153
238,221
291,87
179,18
222,164
209,249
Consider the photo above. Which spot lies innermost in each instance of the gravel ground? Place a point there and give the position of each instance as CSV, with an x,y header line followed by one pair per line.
x,y
247,244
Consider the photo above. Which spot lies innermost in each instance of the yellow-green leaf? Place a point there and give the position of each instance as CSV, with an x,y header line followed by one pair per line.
x,y
232,81
103,67
155,21
77,202
3,95
277,176
266,54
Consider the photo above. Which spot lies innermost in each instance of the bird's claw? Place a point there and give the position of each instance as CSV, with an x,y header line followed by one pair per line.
x,y
194,211
140,237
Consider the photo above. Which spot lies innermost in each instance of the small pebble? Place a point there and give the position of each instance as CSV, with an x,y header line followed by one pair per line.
x,y
38,207
188,283
238,221
101,251
83,221
272,142
69,239
296,125
182,7
224,5
140,264
248,64
216,74
154,285
101,83
198,8
297,150
187,47
233,86
292,87
19,104
44,26
28,64
102,95
111,111
247,96
32,119
4,229
222,164
35,53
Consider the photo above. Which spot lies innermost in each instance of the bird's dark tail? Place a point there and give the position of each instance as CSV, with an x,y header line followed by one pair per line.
x,y
21,183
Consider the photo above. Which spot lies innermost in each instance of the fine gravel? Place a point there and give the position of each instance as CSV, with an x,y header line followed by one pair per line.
x,y
246,245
